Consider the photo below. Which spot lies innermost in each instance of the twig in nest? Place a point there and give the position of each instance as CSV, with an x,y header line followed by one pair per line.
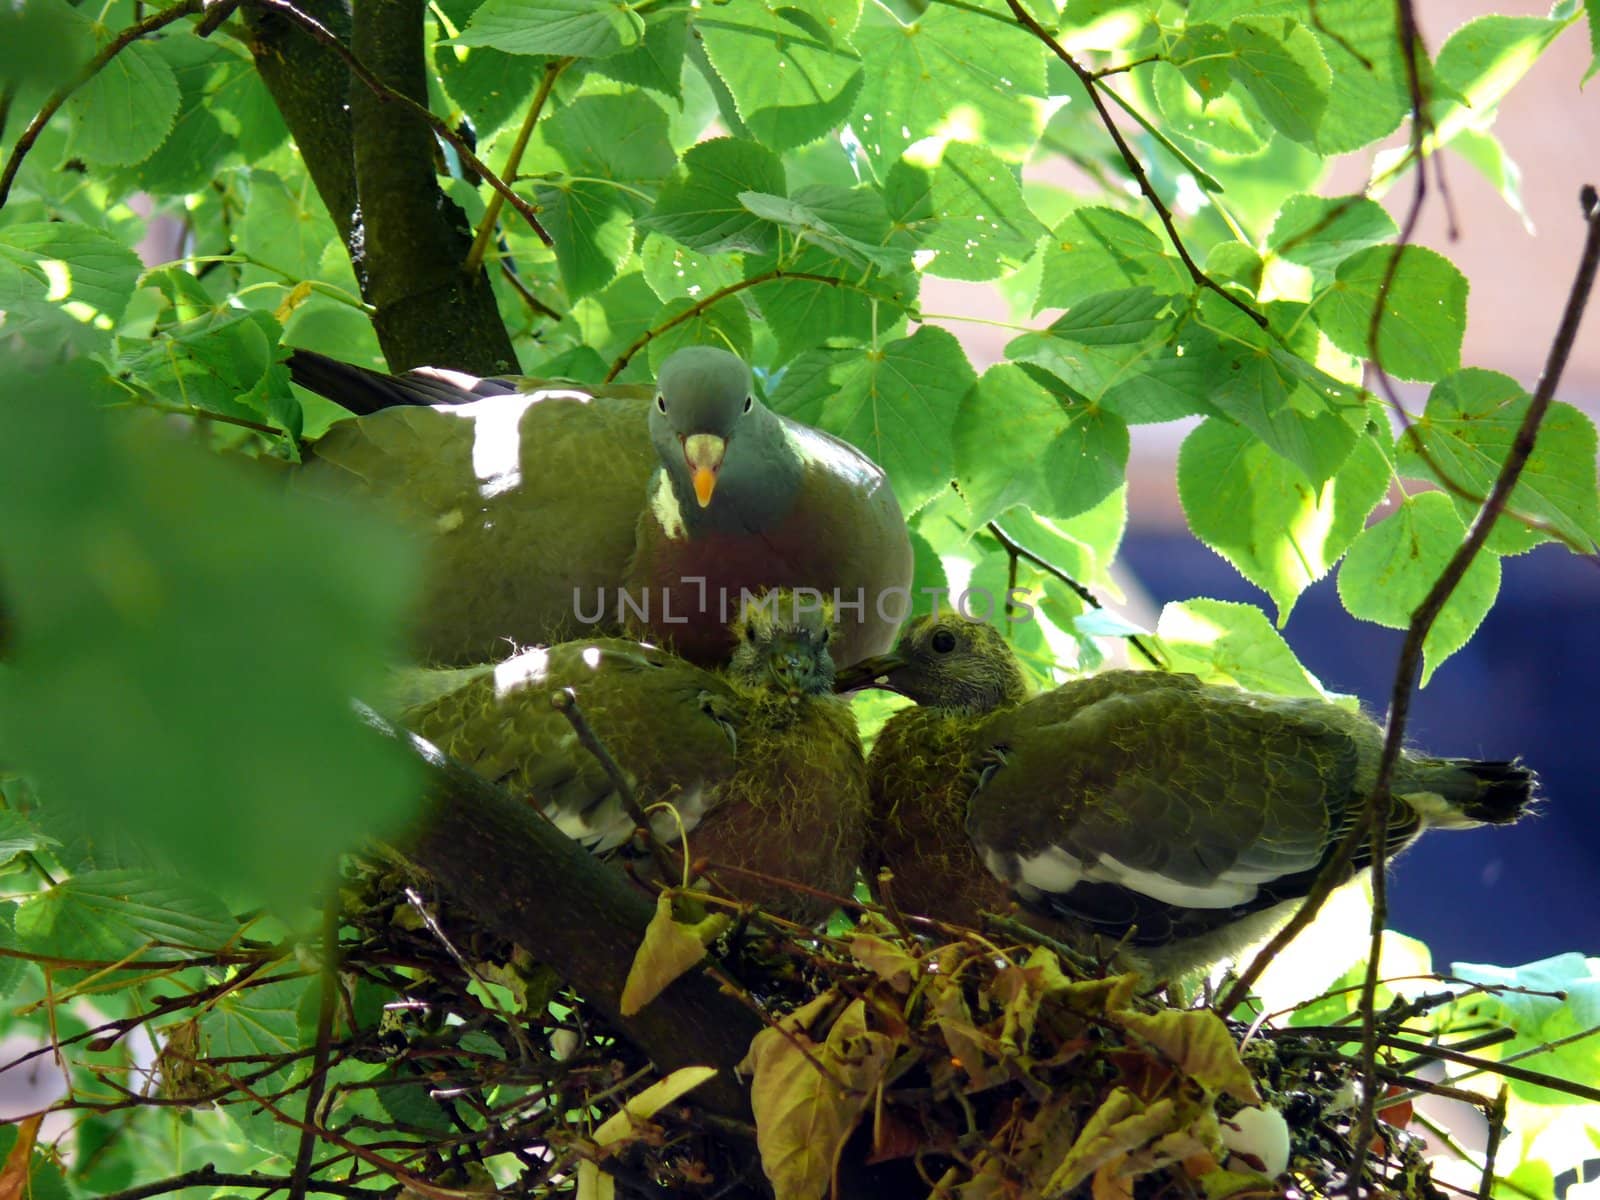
x,y
566,703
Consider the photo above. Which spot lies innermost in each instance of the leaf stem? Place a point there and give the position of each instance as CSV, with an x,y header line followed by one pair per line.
x,y
701,305
491,212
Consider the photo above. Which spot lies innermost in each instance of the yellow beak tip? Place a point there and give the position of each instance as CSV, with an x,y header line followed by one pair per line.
x,y
705,482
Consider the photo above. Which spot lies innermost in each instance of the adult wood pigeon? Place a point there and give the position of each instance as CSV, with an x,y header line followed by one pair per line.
x,y
1186,818
760,761
560,511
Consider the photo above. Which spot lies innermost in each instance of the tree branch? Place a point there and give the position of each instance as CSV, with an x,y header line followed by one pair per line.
x,y
1422,620
414,238
296,52
1091,86
525,881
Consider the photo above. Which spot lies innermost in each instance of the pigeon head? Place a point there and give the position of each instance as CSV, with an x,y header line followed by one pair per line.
x,y
946,661
714,437
781,643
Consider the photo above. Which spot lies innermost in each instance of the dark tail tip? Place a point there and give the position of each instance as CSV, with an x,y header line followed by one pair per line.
x,y
1506,791
364,391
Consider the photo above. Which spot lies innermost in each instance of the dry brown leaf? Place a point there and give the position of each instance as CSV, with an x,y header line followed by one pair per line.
x,y
1122,1124
971,1049
669,949
1201,1046
14,1175
808,1095
886,960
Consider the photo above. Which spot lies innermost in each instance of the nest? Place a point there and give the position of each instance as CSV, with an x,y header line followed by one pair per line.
x,y
982,1066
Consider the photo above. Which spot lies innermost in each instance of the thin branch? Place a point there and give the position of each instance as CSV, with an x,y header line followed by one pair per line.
x,y
209,1176
1428,611
328,992
1087,78
110,50
1334,871
522,290
491,211
700,306
566,703
1103,72
1497,1127
1017,550
321,34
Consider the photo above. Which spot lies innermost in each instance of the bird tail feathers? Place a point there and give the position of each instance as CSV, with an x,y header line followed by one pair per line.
x,y
1483,793
364,391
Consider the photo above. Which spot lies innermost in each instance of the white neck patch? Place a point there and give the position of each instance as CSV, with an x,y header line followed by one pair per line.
x,y
664,504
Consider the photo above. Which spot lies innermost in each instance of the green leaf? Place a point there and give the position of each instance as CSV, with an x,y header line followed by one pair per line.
x,y
1117,349
725,324
1321,232
1488,154
592,229
490,85
1222,642
150,685
60,279
43,42
1562,999
848,223
1261,513
969,210
111,914
224,362
1591,12
1424,313
790,68
1468,430
12,969
1481,62
1099,249
952,64
125,109
1231,122
1369,95
287,229
673,270
259,1022
896,403
1281,65
582,28
18,836
657,61
806,312
1394,564
700,207
620,137
198,144
1201,53
1016,443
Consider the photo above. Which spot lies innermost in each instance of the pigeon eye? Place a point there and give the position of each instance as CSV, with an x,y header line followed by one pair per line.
x,y
749,403
944,641
661,402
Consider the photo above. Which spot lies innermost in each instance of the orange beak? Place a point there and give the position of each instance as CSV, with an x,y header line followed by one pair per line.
x,y
703,453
